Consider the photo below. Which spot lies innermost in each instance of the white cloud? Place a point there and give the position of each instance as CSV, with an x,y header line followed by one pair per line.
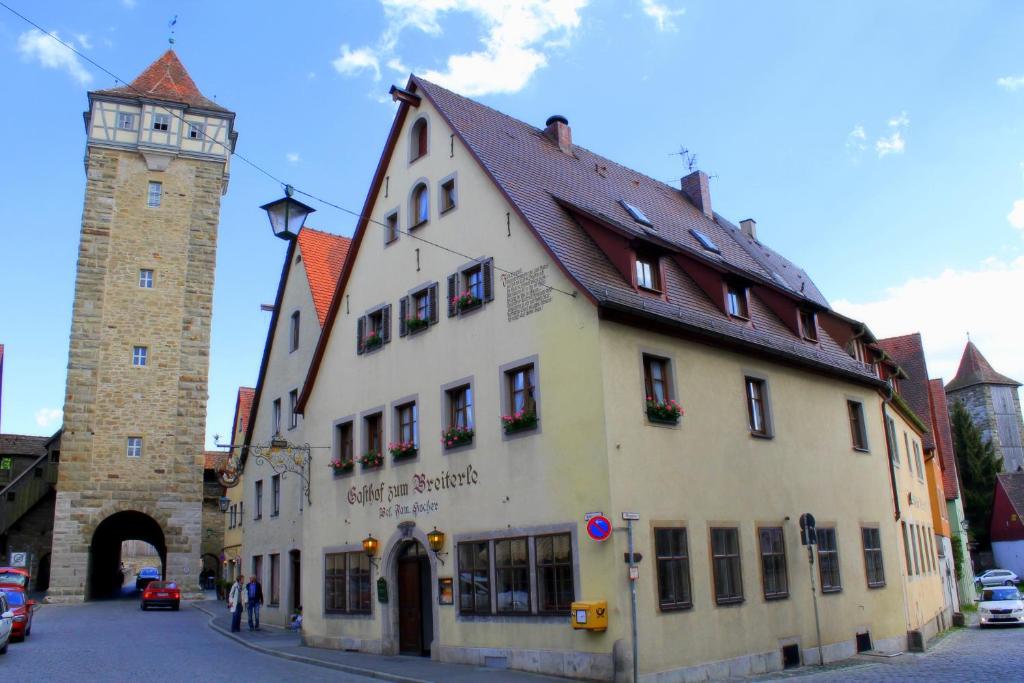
x,y
856,139
944,307
130,4
1016,215
311,75
353,61
1011,83
46,417
292,157
900,121
893,144
514,39
36,45
83,40
661,14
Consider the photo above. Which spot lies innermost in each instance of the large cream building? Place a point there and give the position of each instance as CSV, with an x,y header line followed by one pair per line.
x,y
505,386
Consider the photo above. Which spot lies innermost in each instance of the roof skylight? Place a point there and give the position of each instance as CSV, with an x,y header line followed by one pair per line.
x,y
705,241
636,213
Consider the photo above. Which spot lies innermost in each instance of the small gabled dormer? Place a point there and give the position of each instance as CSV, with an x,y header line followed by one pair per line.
x,y
737,299
808,324
647,271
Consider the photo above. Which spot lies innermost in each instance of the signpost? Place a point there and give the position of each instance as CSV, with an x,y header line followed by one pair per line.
x,y
809,538
634,575
599,528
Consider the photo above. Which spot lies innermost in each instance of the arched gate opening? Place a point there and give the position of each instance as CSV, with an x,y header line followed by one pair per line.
x,y
105,577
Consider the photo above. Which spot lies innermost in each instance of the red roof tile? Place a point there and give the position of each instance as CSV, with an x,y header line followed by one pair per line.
x,y
975,369
165,79
323,255
214,460
908,352
243,410
1013,484
943,438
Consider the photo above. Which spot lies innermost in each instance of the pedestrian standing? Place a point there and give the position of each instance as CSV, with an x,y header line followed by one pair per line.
x,y
254,598
235,599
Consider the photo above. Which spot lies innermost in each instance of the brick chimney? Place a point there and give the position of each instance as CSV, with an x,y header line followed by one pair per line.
x,y
749,228
695,187
558,130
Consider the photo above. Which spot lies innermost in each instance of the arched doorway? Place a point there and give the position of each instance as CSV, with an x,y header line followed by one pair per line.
x,y
208,574
105,578
415,604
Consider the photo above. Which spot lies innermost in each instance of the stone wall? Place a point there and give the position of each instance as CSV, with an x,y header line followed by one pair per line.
x,y
978,400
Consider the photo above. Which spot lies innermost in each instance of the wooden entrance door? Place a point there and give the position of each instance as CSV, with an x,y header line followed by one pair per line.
x,y
410,614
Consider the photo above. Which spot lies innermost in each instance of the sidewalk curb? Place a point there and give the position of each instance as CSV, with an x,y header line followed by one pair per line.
x,y
369,673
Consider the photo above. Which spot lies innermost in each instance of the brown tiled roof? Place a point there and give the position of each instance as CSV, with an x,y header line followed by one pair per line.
x,y
908,352
943,438
1013,484
165,79
324,256
538,179
975,369
243,410
214,460
20,444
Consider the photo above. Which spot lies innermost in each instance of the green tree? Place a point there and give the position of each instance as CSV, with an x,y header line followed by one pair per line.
x,y
978,465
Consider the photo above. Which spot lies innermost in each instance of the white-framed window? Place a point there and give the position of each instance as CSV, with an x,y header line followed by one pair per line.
x,y
196,131
161,121
140,356
156,193
126,121
134,446
146,278
293,401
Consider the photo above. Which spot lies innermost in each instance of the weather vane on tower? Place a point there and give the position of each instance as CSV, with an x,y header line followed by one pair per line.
x,y
170,25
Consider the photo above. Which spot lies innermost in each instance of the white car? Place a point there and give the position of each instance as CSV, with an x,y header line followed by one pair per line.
x,y
6,622
1000,605
998,577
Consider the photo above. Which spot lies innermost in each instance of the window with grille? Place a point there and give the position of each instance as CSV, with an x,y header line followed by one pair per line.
x,y
146,278
512,576
673,567
140,356
828,560
871,538
555,590
725,564
773,563
134,446
474,578
154,195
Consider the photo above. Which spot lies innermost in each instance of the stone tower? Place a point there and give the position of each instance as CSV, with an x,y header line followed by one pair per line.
x,y
156,162
994,405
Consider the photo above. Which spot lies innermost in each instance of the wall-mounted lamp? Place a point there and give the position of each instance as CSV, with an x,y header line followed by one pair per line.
x,y
370,545
436,540
224,503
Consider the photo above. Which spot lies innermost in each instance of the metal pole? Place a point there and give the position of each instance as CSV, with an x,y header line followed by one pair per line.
x,y
632,599
814,597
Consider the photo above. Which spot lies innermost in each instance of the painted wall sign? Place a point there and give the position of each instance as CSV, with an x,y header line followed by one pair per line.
x,y
527,292
599,528
391,499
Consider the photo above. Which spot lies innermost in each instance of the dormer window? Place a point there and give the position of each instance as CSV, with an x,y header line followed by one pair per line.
x,y
418,140
809,325
420,205
736,301
161,121
636,214
647,272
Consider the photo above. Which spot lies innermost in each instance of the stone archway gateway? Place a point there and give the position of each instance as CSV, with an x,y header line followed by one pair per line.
x,y
104,579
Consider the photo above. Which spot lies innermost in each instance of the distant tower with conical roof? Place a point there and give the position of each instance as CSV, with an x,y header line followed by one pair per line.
x,y
156,163
992,400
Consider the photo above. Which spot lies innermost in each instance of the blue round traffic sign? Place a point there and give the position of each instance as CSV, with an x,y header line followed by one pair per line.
x,y
599,528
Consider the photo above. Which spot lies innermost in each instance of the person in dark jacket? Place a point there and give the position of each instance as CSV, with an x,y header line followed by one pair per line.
x,y
254,593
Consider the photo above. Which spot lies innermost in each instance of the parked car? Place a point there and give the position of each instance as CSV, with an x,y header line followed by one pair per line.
x,y
1000,605
161,594
997,577
145,576
22,608
14,577
6,623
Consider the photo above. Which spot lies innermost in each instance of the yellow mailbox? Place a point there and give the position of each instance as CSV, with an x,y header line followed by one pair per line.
x,y
590,615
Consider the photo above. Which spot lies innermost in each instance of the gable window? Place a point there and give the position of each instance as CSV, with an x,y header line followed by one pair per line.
x,y
406,422
344,449
391,227
474,578
418,311
773,563
146,278
419,140
419,205
275,417
809,325
140,356
293,402
196,131
873,568
673,567
448,197
648,275
126,121
134,446
293,333
373,426
725,564
471,286
555,588
275,495
155,194
373,330
511,576
258,495
161,121
828,560
757,406
736,301
858,434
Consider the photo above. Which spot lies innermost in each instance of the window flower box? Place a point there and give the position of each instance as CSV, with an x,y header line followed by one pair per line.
x,y
414,325
466,301
403,450
663,412
339,467
373,341
519,421
371,459
456,436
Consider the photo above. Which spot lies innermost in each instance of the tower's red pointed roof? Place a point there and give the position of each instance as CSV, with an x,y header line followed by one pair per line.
x,y
974,369
165,79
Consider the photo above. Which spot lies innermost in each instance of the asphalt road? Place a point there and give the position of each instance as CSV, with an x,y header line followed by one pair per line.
x,y
115,641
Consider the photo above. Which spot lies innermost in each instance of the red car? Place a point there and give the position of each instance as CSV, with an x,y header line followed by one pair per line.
x,y
22,607
161,594
14,577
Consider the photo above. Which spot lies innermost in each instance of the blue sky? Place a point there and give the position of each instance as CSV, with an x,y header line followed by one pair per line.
x,y
879,145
